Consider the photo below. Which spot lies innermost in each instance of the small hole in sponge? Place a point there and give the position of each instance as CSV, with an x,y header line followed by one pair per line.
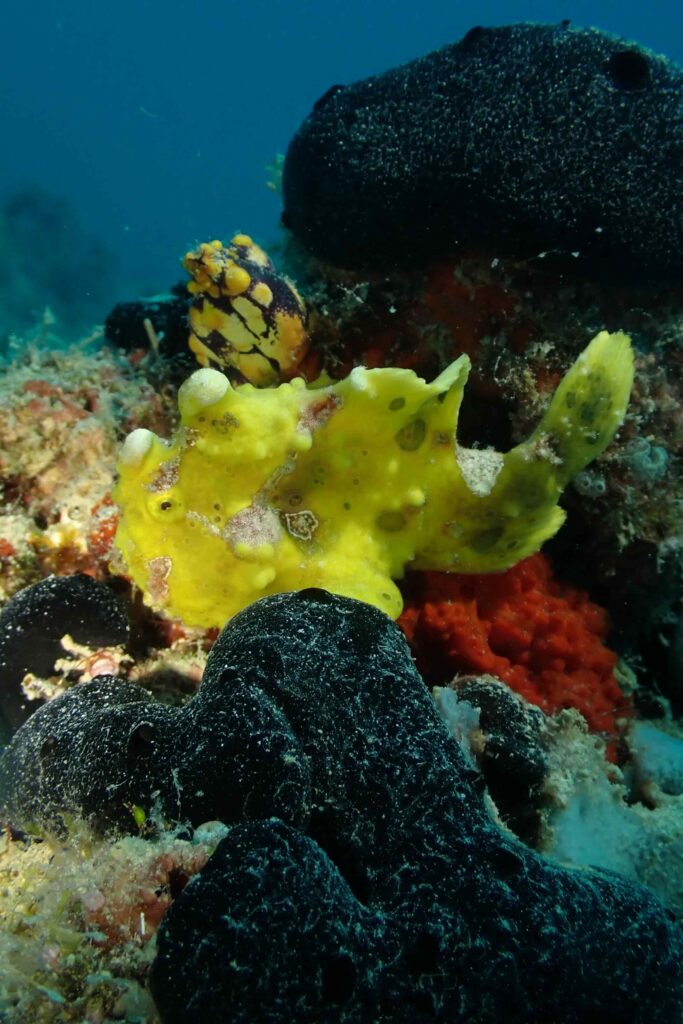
x,y
49,747
338,978
507,863
423,954
629,70
141,739
316,594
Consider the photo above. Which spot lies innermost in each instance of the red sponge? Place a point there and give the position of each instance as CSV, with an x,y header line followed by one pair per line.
x,y
543,638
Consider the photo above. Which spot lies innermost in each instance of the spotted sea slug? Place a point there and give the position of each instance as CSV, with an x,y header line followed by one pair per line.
x,y
244,314
343,486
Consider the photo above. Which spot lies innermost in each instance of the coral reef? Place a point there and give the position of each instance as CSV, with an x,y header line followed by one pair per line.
x,y
392,170
77,920
341,486
501,314
309,734
543,638
64,412
95,756
391,836
142,388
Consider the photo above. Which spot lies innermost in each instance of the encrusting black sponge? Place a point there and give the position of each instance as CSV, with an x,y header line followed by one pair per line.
x,y
32,624
362,878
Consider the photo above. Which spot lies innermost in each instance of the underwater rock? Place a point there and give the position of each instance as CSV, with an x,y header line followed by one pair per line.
x,y
535,139
32,624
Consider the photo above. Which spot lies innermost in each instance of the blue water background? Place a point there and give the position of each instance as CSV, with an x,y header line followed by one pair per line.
x,y
156,121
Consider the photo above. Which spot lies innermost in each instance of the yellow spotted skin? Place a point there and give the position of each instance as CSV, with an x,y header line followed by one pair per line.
x,y
244,315
344,486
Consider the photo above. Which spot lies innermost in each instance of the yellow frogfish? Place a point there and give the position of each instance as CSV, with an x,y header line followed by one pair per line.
x,y
243,313
343,486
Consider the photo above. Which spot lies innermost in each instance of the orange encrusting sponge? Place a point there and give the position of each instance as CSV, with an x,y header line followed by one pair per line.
x,y
543,638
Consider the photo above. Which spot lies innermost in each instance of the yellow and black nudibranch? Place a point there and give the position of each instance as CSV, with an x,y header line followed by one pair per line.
x,y
244,313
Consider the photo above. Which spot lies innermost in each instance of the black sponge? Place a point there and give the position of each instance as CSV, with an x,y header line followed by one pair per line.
x,y
167,315
32,624
396,898
524,138
362,878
